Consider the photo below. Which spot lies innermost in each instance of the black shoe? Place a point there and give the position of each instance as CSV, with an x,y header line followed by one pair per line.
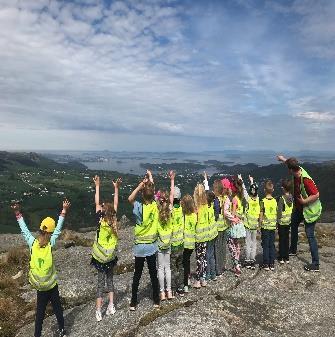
x,y
292,254
252,265
265,267
62,333
180,292
312,267
272,267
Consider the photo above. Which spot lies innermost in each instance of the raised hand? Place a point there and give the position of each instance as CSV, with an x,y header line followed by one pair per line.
x,y
149,175
205,175
172,175
251,179
16,208
239,176
66,205
281,158
117,183
96,180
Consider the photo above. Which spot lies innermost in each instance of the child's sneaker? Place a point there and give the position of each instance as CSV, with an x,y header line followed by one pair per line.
x,y
132,307
186,290
237,271
312,267
214,278
203,283
62,333
247,264
252,265
162,296
265,267
110,309
98,315
180,292
272,267
197,285
169,295
287,261
281,261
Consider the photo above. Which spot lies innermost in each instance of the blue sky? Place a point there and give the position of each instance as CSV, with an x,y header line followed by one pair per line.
x,y
167,75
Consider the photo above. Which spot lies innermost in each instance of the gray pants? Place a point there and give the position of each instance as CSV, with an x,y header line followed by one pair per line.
x,y
105,277
250,244
221,252
164,270
177,268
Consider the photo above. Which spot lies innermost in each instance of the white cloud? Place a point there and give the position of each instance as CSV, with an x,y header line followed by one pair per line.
x,y
317,116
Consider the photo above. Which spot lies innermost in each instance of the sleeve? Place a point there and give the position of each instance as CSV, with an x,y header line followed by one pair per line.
x,y
245,193
206,185
137,211
310,187
28,237
226,211
280,206
217,208
57,231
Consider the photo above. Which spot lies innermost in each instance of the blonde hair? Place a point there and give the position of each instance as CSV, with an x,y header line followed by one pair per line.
x,y
110,216
187,204
43,238
199,195
217,188
268,187
148,191
163,204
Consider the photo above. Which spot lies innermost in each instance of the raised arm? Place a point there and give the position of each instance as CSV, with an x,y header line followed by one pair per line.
x,y
172,176
116,184
58,229
28,237
133,194
96,181
281,158
245,192
149,174
206,181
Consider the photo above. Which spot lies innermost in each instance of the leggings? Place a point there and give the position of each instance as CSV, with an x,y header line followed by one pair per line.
x,y
139,264
187,264
235,251
164,270
105,277
200,255
43,297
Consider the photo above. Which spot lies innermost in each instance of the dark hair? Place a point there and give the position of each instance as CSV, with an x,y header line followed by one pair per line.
x,y
238,183
268,187
293,164
210,197
148,191
187,204
217,187
287,185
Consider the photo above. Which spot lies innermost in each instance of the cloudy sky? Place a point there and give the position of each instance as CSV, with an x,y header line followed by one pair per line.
x,y
167,75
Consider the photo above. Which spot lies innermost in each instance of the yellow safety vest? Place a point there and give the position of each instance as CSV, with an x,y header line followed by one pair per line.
x,y
270,214
147,231
239,209
252,214
177,227
42,273
286,214
221,222
165,234
105,244
202,230
213,232
190,221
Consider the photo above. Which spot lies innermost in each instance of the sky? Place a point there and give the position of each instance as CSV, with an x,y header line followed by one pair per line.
x,y
169,75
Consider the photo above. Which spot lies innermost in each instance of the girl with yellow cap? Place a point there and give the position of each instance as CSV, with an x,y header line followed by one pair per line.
x,y
42,273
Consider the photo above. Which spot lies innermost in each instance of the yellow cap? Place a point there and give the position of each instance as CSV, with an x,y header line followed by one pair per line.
x,y
48,224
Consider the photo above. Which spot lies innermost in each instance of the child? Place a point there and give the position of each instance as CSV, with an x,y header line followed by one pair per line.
x,y
105,246
146,233
222,228
284,212
235,231
177,244
202,234
164,202
268,218
190,220
42,273
251,224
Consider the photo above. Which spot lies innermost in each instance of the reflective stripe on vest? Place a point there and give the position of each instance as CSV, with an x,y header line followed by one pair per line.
x,y
165,234
252,213
311,212
42,273
221,222
202,230
270,214
190,221
213,232
147,231
105,244
239,208
286,214
177,226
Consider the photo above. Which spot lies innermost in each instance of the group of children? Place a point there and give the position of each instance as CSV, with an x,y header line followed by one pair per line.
x,y
168,229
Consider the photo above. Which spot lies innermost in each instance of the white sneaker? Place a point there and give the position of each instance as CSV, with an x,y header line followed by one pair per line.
x,y
98,315
186,290
110,309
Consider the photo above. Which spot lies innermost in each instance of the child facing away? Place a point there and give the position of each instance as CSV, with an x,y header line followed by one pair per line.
x,y
42,273
251,224
284,212
104,249
268,221
164,202
146,234
220,245
190,220
202,234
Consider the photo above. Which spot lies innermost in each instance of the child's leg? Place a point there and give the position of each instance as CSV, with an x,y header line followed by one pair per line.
x,y
265,246
180,269
211,268
110,285
167,270
281,230
187,264
100,289
151,262
161,267
224,245
218,251
200,251
232,250
139,263
57,307
286,242
253,245
248,244
238,251
42,301
272,249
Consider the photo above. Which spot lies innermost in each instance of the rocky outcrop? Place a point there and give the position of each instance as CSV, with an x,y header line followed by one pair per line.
x,y
286,302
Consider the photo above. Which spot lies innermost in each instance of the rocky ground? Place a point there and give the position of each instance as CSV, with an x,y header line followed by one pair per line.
x,y
286,302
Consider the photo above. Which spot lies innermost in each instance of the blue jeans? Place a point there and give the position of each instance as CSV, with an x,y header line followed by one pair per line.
x,y
268,245
296,218
210,258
